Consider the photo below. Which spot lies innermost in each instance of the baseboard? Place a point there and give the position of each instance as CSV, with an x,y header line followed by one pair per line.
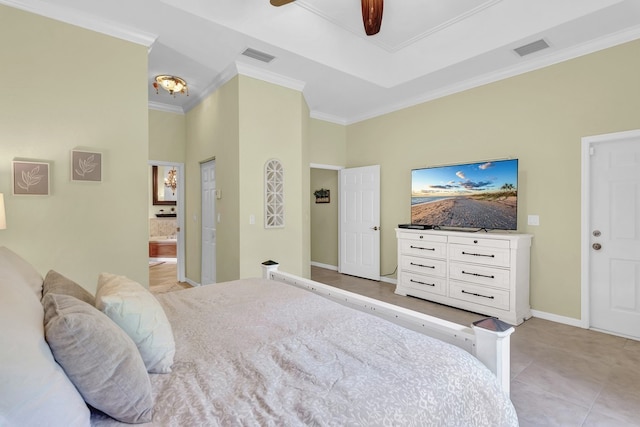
x,y
557,318
191,282
325,266
389,280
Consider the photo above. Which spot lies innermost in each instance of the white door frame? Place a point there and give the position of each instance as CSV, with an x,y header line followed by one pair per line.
x,y
587,144
337,169
180,215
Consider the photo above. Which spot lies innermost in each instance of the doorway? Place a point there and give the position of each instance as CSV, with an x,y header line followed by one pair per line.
x,y
173,213
611,233
209,220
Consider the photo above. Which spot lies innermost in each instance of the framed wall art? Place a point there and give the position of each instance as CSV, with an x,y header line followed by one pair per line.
x,y
30,178
86,166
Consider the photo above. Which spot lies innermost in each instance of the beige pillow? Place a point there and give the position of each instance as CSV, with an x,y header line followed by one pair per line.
x,y
56,283
34,390
141,316
99,358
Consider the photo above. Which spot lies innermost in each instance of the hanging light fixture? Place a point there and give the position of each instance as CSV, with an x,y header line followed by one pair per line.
x,y
171,180
171,84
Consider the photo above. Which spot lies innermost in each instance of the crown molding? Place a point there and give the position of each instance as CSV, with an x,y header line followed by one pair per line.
x,y
221,79
593,46
167,108
269,77
79,19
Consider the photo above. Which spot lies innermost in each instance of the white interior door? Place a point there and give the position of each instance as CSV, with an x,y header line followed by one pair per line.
x,y
208,185
359,225
614,233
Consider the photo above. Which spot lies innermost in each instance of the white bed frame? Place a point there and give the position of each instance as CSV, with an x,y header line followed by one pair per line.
x,y
484,339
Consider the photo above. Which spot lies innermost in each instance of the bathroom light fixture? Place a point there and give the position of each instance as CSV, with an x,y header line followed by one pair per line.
x,y
171,84
3,218
171,181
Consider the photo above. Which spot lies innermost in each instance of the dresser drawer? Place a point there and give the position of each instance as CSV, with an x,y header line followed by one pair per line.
x,y
432,284
479,295
424,248
434,267
479,241
480,255
480,274
411,235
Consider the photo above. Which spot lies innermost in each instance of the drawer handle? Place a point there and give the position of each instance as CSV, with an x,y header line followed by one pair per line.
x,y
421,265
478,275
477,295
422,283
472,254
424,249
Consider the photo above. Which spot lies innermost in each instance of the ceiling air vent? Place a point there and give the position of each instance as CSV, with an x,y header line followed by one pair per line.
x,y
260,56
532,47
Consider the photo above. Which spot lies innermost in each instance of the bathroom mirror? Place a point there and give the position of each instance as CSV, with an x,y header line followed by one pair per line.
x,y
164,194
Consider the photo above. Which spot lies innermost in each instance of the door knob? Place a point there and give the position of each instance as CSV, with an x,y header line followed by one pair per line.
x,y
596,246
375,228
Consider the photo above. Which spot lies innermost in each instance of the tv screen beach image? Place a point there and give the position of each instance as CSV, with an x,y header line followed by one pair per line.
x,y
473,195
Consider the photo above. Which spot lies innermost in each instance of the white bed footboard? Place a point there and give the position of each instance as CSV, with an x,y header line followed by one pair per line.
x,y
488,339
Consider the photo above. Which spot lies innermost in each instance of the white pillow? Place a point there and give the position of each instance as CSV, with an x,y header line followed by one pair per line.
x,y
34,390
140,315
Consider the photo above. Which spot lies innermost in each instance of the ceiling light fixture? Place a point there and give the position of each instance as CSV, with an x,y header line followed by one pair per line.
x,y
171,84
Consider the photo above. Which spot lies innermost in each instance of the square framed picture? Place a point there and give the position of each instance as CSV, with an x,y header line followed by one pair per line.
x,y
30,178
86,166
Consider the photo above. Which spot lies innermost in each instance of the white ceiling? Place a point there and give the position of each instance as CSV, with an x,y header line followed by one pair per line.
x,y
425,49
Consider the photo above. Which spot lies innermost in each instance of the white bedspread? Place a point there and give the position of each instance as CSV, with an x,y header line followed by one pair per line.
x,y
262,353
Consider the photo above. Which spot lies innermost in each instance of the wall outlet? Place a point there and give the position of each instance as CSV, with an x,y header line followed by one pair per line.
x,y
533,220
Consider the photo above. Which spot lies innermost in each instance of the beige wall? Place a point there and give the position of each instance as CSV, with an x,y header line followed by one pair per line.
x,y
213,131
327,143
243,125
324,218
81,228
273,126
167,136
167,143
538,117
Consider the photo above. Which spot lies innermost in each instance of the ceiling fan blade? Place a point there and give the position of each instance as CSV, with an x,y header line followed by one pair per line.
x,y
280,2
372,16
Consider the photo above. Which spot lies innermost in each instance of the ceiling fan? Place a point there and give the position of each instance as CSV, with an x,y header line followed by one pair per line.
x,y
371,14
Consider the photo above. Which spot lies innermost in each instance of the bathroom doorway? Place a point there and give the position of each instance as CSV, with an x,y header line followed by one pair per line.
x,y
166,221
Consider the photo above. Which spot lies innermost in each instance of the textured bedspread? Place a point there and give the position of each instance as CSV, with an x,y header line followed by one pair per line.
x,y
262,353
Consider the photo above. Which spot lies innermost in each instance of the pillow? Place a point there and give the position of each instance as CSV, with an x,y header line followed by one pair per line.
x,y
141,316
56,283
99,358
13,267
34,390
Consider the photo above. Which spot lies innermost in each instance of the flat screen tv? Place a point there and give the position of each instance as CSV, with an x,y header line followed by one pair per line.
x,y
480,195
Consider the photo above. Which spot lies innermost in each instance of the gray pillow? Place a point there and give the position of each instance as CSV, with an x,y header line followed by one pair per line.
x,y
99,359
56,283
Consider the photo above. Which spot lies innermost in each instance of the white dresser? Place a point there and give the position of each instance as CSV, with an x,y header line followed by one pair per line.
x,y
486,273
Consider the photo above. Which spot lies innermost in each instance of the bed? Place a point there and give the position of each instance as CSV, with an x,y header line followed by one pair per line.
x,y
280,350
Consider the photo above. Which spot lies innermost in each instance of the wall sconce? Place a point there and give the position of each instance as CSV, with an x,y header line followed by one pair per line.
x,y
171,180
322,195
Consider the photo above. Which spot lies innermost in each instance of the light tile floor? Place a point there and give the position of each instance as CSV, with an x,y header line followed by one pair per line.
x,y
560,375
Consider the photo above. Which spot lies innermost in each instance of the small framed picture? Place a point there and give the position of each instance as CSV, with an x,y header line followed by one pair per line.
x,y
30,178
86,166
